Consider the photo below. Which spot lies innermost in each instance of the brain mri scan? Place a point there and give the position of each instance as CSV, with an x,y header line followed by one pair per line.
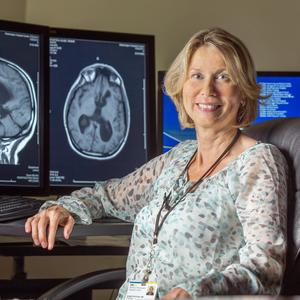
x,y
96,113
18,111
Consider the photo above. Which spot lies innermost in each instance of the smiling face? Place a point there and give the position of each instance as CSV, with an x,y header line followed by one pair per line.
x,y
210,98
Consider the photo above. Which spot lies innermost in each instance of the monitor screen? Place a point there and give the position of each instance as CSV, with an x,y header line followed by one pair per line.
x,y
102,108
283,88
23,74
284,91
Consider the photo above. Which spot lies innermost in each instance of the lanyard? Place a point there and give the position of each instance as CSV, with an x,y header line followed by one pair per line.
x,y
166,205
158,225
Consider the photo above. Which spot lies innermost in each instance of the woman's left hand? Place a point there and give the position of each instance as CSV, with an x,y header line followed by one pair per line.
x,y
176,293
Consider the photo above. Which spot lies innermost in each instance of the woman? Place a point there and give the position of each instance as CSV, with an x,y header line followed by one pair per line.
x,y
210,215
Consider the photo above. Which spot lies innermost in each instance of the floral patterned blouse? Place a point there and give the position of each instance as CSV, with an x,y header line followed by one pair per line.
x,y
226,237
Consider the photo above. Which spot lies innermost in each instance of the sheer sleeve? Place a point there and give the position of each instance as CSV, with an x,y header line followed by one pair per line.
x,y
260,195
122,198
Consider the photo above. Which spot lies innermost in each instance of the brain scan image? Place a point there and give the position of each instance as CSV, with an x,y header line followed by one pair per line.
x,y
18,111
96,113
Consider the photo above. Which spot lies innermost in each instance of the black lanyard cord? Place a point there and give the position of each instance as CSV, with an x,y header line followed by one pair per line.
x,y
158,225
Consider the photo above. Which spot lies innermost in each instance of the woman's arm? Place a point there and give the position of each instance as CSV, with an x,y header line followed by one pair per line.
x,y
122,198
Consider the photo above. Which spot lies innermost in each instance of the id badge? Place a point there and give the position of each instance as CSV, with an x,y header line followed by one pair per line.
x,y
141,290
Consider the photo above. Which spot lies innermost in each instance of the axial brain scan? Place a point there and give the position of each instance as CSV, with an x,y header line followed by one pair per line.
x,y
96,113
18,111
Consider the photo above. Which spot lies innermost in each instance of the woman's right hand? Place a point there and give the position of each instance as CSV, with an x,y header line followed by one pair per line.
x,y
50,219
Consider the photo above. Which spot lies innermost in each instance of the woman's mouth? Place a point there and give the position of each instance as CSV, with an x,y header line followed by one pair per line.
x,y
208,107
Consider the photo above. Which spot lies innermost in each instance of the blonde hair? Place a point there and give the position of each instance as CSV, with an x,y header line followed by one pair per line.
x,y
239,64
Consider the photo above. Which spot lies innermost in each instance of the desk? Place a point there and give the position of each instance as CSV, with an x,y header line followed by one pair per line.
x,y
83,241
79,239
100,228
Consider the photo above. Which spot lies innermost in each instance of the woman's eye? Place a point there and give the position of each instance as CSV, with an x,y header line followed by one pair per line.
x,y
224,77
197,76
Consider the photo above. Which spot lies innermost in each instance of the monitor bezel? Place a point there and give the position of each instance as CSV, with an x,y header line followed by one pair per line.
x,y
278,73
160,94
159,117
149,42
42,31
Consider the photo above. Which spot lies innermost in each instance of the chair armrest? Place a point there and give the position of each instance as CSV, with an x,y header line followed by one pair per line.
x,y
79,283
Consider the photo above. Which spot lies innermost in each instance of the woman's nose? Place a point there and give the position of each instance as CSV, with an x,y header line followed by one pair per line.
x,y
208,88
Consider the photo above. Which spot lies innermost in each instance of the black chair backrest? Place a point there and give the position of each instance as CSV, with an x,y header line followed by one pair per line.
x,y
285,134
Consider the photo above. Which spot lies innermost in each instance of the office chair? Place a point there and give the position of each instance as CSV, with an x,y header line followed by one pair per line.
x,y
70,287
285,134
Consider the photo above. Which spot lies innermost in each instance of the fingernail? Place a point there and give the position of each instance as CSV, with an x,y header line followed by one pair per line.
x,y
44,245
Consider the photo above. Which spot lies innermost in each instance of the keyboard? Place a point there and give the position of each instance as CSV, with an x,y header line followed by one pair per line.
x,y
18,207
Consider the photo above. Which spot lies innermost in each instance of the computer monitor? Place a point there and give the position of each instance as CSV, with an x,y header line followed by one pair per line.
x,y
284,102
23,100
102,106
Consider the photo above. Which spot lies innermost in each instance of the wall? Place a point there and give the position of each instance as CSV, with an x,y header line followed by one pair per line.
x,y
270,28
13,10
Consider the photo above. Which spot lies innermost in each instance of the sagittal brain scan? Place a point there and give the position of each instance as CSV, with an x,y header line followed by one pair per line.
x,y
96,113
18,111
